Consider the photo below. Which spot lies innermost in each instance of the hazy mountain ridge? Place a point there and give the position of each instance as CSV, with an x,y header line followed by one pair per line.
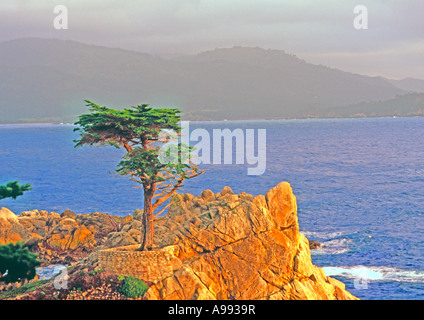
x,y
406,105
47,80
409,84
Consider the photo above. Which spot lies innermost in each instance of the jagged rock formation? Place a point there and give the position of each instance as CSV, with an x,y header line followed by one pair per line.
x,y
224,246
62,238
10,228
239,247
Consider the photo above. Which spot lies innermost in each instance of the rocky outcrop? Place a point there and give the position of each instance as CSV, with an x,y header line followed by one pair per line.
x,y
314,244
67,237
10,228
219,246
239,247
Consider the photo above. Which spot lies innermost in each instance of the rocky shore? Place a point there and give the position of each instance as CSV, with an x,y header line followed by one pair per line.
x,y
224,246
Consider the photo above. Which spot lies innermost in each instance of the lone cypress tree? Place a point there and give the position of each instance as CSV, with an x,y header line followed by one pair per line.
x,y
138,130
13,190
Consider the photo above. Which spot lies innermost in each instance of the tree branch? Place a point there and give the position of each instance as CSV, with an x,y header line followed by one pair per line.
x,y
159,201
162,210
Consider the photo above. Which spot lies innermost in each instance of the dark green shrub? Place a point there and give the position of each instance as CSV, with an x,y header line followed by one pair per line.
x,y
17,262
133,287
13,190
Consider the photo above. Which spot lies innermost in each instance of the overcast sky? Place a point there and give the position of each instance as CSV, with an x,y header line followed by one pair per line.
x,y
319,31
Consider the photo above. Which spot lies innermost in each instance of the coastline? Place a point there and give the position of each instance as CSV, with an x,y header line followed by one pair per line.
x,y
27,124
239,120
187,261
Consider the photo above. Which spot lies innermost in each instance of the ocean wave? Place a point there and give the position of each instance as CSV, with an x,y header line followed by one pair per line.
x,y
336,246
376,273
331,242
321,234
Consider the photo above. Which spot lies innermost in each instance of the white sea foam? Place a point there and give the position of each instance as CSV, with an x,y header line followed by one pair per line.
x,y
331,243
336,246
376,273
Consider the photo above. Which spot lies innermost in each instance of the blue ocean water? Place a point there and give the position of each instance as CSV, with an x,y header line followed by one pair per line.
x,y
359,184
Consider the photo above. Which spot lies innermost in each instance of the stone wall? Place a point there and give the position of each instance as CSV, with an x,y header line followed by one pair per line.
x,y
146,265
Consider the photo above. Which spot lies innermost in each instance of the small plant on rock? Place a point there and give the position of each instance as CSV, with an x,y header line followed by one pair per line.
x,y
133,287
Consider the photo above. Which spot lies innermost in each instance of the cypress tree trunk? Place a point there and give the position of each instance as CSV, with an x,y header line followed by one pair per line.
x,y
148,227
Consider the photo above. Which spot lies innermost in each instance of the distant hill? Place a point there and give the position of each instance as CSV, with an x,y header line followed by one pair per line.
x,y
45,80
409,84
406,105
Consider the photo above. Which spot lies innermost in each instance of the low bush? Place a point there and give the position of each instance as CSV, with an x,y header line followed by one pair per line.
x,y
133,287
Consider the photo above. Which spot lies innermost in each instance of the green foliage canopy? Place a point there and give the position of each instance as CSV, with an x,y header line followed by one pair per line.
x,y
137,129
13,190
17,262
